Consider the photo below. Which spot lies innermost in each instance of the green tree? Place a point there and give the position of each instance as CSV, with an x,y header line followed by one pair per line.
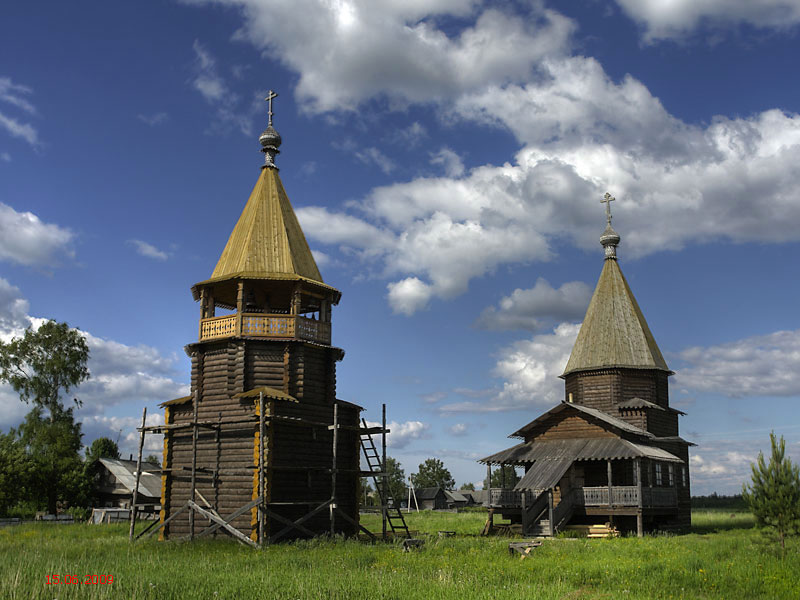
x,y
152,459
45,362
432,473
774,492
468,487
53,446
504,477
15,468
102,447
397,479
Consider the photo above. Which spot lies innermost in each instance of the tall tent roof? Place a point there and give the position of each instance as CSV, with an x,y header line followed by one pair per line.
x,y
267,240
614,332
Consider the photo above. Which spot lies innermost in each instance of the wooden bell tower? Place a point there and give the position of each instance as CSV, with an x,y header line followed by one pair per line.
x,y
264,340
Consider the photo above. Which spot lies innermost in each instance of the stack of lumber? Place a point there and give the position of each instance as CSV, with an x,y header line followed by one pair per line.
x,y
595,531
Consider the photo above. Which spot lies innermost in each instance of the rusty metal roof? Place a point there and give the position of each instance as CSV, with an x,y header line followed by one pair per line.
x,y
577,449
267,239
614,332
592,412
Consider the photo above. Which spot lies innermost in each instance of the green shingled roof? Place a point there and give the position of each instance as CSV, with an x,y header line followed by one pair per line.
x,y
614,332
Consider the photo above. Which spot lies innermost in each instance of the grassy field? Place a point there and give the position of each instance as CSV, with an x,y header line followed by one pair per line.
x,y
724,557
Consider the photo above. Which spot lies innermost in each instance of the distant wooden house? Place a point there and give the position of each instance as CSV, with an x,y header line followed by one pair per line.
x,y
432,498
115,481
263,353
455,499
611,450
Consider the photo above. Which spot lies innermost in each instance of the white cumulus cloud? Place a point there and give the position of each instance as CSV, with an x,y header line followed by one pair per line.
x,y
525,309
26,240
148,250
529,370
402,434
763,365
678,18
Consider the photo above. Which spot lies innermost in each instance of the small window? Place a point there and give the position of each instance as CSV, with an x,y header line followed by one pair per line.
x,y
671,471
658,474
685,475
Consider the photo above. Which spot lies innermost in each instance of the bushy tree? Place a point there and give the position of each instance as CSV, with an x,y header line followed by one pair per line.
x,y
397,479
432,473
774,492
40,366
15,471
102,447
45,362
152,459
506,476
468,487
53,446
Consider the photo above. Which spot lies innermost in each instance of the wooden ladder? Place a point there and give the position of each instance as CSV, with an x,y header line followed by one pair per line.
x,y
394,517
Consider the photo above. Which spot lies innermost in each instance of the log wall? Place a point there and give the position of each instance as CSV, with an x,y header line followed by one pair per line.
x,y
298,457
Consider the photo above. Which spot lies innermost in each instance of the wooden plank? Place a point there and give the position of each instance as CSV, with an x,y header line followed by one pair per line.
x,y
224,523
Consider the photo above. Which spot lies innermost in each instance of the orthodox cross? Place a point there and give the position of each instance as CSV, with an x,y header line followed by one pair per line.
x,y
607,200
269,98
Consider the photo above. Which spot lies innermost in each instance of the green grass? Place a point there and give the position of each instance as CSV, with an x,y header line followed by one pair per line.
x,y
724,558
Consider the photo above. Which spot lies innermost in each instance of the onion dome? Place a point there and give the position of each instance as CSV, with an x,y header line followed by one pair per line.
x,y
270,139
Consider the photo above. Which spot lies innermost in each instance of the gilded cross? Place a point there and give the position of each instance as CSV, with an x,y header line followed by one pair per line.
x,y
607,200
269,98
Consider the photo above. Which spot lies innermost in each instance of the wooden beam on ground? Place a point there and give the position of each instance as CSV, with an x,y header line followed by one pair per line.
x,y
231,517
212,516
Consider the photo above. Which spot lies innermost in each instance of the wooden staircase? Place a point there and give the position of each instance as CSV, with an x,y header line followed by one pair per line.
x,y
536,519
394,518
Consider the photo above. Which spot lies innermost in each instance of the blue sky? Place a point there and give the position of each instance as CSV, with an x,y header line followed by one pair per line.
x,y
446,159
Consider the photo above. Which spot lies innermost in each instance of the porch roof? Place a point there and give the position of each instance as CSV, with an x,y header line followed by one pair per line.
x,y
577,449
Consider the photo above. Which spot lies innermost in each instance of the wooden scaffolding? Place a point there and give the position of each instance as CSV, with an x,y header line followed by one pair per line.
x,y
392,519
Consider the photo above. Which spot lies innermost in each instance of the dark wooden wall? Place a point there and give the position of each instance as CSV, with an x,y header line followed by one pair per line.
x,y
298,456
604,389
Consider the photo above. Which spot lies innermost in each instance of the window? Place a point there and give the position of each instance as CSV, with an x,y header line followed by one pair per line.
x,y
658,474
671,471
685,475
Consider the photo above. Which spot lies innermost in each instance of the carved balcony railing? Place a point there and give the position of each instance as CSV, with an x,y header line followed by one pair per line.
x,y
592,496
266,326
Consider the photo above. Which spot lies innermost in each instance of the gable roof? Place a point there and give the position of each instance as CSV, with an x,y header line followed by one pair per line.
x,y
614,331
267,240
125,472
639,403
455,496
428,493
593,413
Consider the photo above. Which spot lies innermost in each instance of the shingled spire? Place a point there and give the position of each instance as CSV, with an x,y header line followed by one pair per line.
x,y
614,331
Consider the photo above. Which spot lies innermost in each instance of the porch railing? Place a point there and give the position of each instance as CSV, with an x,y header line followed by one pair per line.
x,y
591,496
266,326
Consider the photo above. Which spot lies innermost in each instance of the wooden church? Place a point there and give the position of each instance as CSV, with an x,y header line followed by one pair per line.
x,y
610,452
262,443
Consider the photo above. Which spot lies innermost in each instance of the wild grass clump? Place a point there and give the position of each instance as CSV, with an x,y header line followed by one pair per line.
x,y
721,558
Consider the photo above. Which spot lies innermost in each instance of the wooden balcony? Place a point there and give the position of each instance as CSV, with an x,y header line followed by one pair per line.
x,y
621,496
265,326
